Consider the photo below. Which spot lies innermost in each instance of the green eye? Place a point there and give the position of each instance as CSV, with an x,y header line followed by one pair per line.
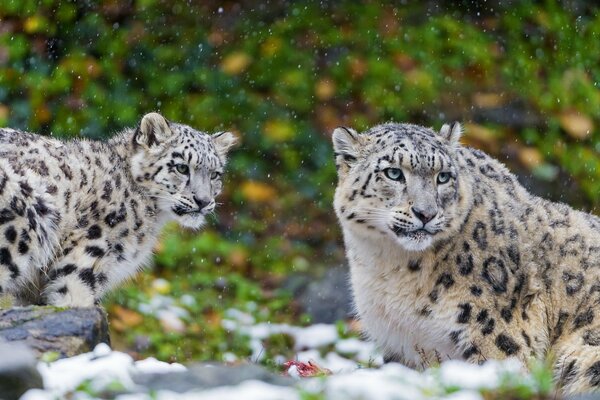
x,y
394,174
182,169
215,175
443,177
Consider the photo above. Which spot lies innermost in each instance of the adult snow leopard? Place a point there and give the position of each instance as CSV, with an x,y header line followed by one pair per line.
x,y
79,217
451,258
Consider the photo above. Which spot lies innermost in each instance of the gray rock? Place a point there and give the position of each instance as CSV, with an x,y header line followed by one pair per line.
x,y
328,299
207,376
18,372
48,329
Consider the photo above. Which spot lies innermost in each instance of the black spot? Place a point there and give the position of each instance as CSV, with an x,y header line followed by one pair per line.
x,y
445,280
18,206
114,218
464,263
31,219
494,272
591,337
593,373
25,189
507,344
568,373
101,278
513,254
465,313
573,282
23,247
558,328
40,207
414,265
6,216
476,291
470,351
63,290
94,232
6,259
455,336
87,276
488,327
10,234
433,295
63,271
506,314
107,191
583,319
482,316
526,338
94,251
480,235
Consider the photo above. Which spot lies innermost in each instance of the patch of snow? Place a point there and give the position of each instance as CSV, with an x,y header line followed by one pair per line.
x,y
153,366
392,381
99,366
471,376
319,335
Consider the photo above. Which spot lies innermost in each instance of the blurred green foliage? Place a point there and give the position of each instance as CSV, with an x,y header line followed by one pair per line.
x,y
523,75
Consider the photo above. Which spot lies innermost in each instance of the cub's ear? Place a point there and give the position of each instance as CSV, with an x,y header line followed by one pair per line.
x,y
451,132
223,142
347,145
153,130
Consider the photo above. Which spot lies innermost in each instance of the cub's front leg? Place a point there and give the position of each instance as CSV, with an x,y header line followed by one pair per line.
x,y
77,279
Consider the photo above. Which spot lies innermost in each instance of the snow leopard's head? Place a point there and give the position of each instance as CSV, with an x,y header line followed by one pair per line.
x,y
400,181
180,167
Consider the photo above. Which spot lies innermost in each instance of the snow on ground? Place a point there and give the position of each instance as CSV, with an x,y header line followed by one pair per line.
x,y
348,354
81,376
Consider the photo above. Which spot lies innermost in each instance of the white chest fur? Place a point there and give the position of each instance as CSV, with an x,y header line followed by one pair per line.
x,y
390,302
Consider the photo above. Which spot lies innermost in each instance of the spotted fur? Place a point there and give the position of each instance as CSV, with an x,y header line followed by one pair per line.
x,y
473,268
79,217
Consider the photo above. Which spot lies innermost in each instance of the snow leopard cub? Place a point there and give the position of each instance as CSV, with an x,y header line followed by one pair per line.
x,y
79,217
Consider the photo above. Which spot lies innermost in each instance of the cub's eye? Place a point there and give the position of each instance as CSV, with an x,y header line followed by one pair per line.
x,y
182,169
215,175
394,174
443,177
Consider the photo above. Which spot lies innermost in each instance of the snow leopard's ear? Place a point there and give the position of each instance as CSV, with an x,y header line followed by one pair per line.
x,y
223,142
451,132
153,130
347,144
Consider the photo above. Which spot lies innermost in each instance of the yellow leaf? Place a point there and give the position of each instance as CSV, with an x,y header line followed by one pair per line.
x,y
4,111
279,130
578,126
480,133
235,63
530,157
271,46
325,89
127,317
488,100
33,24
258,192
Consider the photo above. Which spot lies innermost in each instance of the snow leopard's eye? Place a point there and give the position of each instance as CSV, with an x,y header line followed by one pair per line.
x,y
443,177
215,175
182,169
394,174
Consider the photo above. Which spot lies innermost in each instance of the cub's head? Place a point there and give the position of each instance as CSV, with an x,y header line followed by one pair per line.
x,y
180,167
400,181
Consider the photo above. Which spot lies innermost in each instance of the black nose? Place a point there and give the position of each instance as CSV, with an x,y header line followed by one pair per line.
x,y
423,215
202,202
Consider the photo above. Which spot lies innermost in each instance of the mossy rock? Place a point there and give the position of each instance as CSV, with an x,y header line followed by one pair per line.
x,y
66,332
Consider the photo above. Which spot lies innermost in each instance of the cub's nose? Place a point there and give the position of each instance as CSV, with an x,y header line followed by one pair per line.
x,y
202,202
424,215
